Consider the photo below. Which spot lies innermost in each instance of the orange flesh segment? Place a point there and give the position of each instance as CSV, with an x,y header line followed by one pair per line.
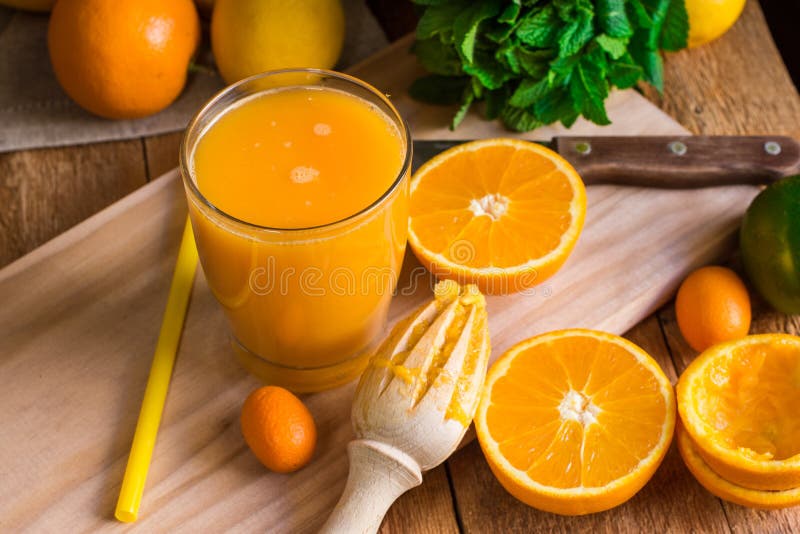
x,y
751,398
624,424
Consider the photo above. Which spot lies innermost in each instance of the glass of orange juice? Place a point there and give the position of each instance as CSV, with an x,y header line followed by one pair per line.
x,y
297,186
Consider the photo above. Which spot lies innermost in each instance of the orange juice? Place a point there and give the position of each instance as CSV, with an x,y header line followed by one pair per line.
x,y
298,201
298,157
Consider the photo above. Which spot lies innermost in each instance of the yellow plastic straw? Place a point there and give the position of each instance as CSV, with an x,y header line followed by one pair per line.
x,y
144,439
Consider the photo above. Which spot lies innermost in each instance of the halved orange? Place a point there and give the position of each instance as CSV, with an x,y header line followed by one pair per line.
x,y
725,489
740,403
500,213
575,421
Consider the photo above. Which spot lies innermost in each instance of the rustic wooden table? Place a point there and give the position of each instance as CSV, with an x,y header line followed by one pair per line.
x,y
737,85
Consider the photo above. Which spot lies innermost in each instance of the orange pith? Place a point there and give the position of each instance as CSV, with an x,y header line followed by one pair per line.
x,y
739,402
725,489
500,213
575,421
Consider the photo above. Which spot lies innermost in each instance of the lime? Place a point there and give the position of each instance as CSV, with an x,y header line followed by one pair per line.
x,y
770,243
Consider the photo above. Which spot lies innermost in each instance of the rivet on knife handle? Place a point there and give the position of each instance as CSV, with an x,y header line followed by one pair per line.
x,y
681,162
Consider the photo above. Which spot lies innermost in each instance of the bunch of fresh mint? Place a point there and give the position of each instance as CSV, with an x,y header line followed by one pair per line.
x,y
536,62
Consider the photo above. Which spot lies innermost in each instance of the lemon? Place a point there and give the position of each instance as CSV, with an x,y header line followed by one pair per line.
x,y
253,36
708,19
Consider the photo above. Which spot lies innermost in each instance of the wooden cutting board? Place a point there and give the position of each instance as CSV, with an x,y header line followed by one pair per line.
x,y
80,317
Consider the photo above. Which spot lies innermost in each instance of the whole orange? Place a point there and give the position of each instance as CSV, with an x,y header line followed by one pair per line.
x,y
278,428
712,306
122,59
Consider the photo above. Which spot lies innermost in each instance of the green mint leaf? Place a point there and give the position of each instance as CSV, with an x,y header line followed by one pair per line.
x,y
438,90
575,35
465,30
654,70
624,73
658,11
649,60
510,13
638,14
487,70
438,19
588,91
465,26
615,46
469,97
561,69
569,119
596,56
528,92
612,18
675,31
437,57
507,55
520,119
574,10
566,37
539,28
594,73
566,10
554,105
476,87
535,63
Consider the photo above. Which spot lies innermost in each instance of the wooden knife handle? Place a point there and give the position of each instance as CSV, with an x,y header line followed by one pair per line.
x,y
681,162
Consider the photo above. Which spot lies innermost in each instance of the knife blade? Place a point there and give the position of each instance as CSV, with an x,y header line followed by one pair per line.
x,y
670,162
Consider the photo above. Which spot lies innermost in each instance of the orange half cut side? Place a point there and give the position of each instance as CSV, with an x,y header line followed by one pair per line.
x,y
575,421
501,213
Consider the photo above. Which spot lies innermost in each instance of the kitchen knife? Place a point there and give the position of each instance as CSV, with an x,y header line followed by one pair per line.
x,y
671,162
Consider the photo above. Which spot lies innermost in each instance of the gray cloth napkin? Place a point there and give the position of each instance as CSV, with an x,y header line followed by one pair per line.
x,y
35,112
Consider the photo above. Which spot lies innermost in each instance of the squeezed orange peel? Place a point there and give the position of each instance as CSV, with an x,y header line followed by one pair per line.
x,y
739,403
724,489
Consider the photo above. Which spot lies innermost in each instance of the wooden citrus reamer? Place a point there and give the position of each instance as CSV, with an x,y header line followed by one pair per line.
x,y
413,404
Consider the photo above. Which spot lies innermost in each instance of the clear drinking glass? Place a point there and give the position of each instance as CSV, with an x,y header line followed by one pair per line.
x,y
305,305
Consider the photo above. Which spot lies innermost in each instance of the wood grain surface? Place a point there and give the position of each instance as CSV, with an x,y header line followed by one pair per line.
x,y
736,85
44,192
